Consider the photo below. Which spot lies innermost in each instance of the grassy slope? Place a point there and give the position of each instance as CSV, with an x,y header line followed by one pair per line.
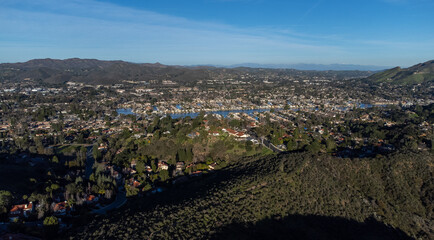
x,y
423,72
321,196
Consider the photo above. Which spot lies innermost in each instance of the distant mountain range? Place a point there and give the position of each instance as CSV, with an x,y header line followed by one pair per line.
x,y
93,71
419,73
316,67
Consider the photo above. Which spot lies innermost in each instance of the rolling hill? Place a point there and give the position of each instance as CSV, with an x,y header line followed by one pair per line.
x,y
290,196
92,71
316,67
422,72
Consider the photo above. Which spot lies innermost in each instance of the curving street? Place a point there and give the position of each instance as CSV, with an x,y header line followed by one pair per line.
x,y
121,199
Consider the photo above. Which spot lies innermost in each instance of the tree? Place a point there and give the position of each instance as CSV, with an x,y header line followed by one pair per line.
x,y
51,226
330,145
235,123
164,175
314,147
81,156
92,177
249,145
153,165
297,133
51,221
55,159
5,201
147,187
131,191
432,144
80,138
181,155
291,145
51,189
39,145
96,153
189,154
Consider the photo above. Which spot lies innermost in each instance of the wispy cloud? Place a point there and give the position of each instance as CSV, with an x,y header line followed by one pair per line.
x,y
310,10
88,28
91,25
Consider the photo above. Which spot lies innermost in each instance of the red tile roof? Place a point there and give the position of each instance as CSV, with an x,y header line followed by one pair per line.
x,y
22,207
90,198
60,206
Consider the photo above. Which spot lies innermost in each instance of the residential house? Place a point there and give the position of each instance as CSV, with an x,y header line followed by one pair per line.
x,y
102,147
214,133
236,134
129,171
133,163
193,135
136,183
61,208
180,166
242,135
163,166
91,199
212,166
22,210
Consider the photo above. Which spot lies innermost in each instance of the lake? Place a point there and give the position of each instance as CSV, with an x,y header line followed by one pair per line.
x,y
129,111
125,111
222,113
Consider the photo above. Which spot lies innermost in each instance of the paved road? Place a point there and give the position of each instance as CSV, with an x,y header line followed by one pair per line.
x,y
269,145
4,225
72,144
121,199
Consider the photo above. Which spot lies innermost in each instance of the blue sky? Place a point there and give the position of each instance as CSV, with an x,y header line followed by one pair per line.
x,y
367,32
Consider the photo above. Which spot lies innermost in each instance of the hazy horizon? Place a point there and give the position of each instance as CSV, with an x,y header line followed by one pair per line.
x,y
297,66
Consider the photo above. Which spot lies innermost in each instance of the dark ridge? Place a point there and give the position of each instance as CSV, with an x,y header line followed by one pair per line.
x,y
290,196
310,227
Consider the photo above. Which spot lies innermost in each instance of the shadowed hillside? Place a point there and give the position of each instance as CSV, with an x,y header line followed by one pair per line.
x,y
310,228
322,196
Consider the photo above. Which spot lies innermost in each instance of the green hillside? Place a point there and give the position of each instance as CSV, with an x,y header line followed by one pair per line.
x,y
293,196
423,72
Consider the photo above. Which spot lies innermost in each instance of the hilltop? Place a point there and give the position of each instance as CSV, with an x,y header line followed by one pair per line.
x,y
296,195
422,72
